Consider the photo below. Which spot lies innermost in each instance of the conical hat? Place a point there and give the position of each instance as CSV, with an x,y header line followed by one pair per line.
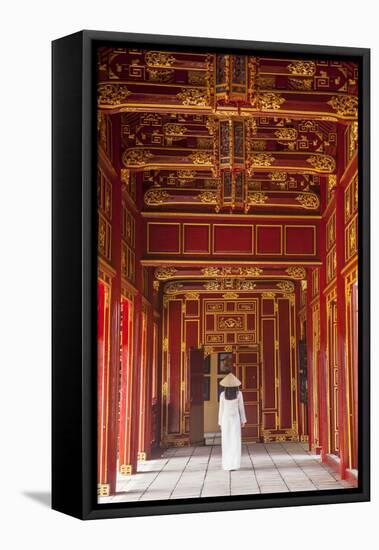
x,y
230,381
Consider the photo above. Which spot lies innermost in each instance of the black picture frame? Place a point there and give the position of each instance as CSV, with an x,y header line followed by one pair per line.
x,y
74,278
224,363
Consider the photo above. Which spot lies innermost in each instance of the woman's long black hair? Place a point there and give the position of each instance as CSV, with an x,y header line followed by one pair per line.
x,y
231,393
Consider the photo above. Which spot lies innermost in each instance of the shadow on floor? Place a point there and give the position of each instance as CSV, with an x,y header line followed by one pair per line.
x,y
42,497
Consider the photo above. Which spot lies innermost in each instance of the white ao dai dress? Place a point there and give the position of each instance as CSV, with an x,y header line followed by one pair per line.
x,y
231,415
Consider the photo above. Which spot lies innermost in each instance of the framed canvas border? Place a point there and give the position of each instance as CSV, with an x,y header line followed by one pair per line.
x,y
74,261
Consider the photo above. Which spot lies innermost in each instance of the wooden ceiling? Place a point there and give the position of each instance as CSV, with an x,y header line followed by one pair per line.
x,y
207,132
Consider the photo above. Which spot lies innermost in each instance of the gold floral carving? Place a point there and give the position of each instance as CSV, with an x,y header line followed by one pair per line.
x,y
286,287
230,322
159,59
269,101
201,157
213,285
160,75
278,176
322,163
173,288
209,197
136,157
296,272
230,295
268,295
257,198
112,94
286,133
171,129
261,159
302,68
163,273
193,96
305,84
155,196
192,295
245,285
125,176
156,285
227,271
345,105
211,271
310,201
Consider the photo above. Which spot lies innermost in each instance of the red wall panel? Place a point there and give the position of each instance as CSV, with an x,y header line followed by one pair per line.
x,y
163,238
196,239
300,240
232,239
268,239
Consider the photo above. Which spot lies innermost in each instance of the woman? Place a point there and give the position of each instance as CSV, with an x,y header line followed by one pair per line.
x,y
231,417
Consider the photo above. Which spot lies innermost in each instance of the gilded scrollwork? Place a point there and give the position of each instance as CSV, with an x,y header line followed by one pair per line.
x,y
163,273
269,101
309,201
261,159
209,197
159,59
286,133
201,157
322,163
258,197
171,129
155,197
191,295
230,295
296,272
136,157
173,288
345,105
193,96
302,68
112,94
286,286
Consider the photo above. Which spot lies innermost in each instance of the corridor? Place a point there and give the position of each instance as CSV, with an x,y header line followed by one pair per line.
x,y
190,472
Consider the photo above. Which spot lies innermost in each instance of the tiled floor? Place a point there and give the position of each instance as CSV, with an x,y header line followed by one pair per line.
x,y
196,472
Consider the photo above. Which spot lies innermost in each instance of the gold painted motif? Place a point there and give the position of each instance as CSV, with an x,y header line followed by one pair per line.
x,y
112,94
209,197
296,272
269,101
159,59
286,133
173,288
155,196
191,295
345,105
286,286
201,157
322,163
257,198
163,273
261,159
302,68
193,96
136,157
310,201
